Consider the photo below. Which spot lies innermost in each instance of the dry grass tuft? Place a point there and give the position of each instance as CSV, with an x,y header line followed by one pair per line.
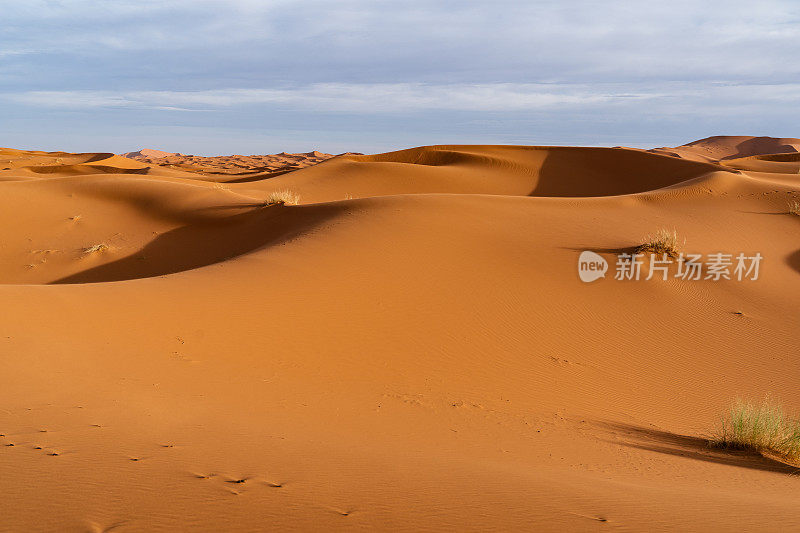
x,y
794,207
663,242
759,427
96,248
282,198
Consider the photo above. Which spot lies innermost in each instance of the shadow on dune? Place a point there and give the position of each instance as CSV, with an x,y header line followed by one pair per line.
x,y
571,172
82,170
758,145
783,213
793,260
265,175
615,251
543,171
98,157
695,448
209,241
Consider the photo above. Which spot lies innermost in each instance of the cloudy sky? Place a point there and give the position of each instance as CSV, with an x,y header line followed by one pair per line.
x,y
260,76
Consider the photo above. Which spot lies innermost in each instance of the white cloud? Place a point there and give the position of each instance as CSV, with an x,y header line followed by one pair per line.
x,y
421,40
510,70
684,97
336,97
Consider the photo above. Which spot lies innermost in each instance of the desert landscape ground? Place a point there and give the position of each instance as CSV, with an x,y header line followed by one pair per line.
x,y
408,348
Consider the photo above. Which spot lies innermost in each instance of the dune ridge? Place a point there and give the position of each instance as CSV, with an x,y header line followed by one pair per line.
x,y
721,147
231,168
409,348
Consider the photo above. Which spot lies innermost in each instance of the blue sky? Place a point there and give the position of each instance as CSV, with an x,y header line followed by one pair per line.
x,y
247,76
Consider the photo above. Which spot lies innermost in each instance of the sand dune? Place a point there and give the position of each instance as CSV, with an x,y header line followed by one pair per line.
x,y
507,170
231,168
410,348
149,153
722,147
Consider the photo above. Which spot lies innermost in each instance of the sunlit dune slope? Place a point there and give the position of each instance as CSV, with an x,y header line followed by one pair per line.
x,y
722,147
512,170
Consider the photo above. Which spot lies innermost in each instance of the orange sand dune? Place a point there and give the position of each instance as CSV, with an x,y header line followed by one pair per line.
x,y
231,168
149,153
508,170
721,147
781,163
410,348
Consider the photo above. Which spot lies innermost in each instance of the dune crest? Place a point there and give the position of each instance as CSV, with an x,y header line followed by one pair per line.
x,y
722,147
149,153
231,167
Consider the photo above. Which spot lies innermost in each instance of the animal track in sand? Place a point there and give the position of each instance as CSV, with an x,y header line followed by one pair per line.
x,y
590,517
567,362
178,357
239,481
412,399
341,512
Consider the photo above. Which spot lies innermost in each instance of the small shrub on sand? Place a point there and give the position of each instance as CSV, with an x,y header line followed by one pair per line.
x,y
95,249
759,427
794,207
281,198
663,242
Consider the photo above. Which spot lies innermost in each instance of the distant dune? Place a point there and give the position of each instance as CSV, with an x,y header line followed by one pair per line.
x,y
723,147
238,167
410,348
147,153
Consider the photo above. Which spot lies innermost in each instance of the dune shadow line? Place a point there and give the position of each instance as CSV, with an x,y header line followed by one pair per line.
x,y
207,242
696,448
594,172
793,260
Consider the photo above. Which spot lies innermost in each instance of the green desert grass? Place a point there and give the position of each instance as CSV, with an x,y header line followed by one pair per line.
x,y
662,242
794,207
282,197
761,427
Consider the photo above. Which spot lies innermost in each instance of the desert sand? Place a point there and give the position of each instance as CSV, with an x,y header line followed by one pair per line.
x,y
410,348
231,168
